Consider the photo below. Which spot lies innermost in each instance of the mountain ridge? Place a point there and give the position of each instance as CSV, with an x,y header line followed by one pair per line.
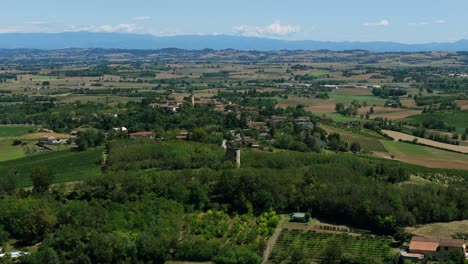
x,y
49,41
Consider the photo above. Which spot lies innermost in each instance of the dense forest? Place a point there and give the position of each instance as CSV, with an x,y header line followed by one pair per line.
x,y
135,211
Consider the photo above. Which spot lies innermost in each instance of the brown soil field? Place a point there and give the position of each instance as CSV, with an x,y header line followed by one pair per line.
x,y
426,161
408,103
322,108
354,91
398,114
398,135
439,230
462,103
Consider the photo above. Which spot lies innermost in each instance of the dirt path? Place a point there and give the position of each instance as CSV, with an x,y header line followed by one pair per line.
x,y
272,241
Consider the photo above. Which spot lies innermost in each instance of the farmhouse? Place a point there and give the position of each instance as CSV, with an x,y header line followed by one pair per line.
x,y
436,249
49,140
149,135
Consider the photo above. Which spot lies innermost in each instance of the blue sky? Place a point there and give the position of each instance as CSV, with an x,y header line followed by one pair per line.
x,y
408,21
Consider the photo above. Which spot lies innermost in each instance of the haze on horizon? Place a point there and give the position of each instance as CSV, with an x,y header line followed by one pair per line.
x,y
415,21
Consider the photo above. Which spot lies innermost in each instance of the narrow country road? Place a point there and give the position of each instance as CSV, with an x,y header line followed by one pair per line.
x,y
272,241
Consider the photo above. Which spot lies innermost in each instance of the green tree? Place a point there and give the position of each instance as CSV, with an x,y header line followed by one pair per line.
x,y
340,108
41,178
355,147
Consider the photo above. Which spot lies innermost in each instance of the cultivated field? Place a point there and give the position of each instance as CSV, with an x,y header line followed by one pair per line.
x,y
65,165
368,140
398,135
313,245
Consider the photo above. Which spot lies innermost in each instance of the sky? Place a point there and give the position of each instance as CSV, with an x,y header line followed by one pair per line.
x,y
406,21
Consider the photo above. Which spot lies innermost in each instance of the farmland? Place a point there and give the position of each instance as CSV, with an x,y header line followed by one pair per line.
x,y
65,165
314,245
452,118
369,141
14,131
398,135
423,155
153,174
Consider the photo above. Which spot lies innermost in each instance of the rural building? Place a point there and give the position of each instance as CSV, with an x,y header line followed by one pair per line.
x,y
256,125
413,257
49,140
183,136
149,135
300,217
436,249
264,136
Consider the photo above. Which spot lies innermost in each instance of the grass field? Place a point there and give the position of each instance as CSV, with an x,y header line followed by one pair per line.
x,y
403,136
314,244
424,156
439,230
9,152
66,165
15,131
459,119
402,148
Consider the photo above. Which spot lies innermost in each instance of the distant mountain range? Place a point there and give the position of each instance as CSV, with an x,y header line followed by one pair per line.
x,y
197,42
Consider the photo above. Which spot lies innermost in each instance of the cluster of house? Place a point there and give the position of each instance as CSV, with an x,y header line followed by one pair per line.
x,y
332,86
423,249
51,140
15,254
461,75
172,106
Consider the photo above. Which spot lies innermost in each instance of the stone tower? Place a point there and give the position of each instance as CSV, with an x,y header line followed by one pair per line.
x,y
233,154
192,99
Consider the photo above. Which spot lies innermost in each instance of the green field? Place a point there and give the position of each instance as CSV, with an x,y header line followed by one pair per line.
x,y
403,148
318,73
347,99
66,165
341,118
314,244
9,152
14,131
459,119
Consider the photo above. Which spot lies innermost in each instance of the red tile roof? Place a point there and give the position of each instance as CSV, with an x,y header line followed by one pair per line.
x,y
431,244
141,134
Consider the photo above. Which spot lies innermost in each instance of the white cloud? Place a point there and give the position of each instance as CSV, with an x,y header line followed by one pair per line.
x,y
275,29
418,24
25,28
142,18
36,23
124,28
381,23
439,21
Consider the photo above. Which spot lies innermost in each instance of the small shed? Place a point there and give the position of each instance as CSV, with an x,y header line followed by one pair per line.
x,y
300,217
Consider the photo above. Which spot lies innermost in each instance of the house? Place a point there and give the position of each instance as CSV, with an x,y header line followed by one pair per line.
x,y
256,125
326,120
436,249
307,124
49,140
264,136
149,135
248,141
166,107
